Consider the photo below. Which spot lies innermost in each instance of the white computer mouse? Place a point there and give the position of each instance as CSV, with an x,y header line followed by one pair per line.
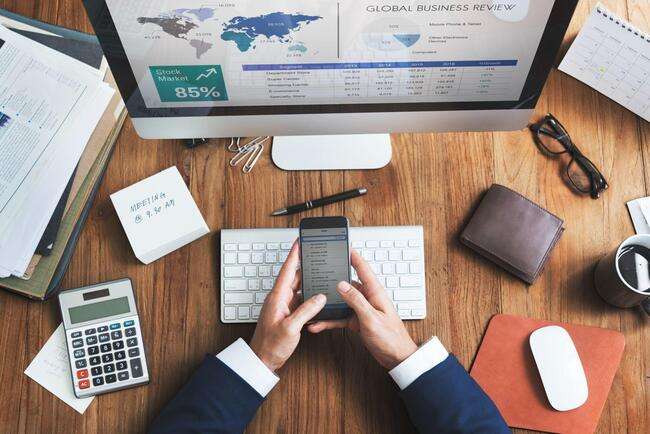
x,y
559,367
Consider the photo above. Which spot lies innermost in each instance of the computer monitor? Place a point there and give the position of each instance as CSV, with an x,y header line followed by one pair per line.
x,y
222,68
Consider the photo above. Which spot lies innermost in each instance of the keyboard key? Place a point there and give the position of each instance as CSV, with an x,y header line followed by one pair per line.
x,y
230,258
109,368
259,246
253,285
120,355
131,342
120,366
376,268
260,297
136,368
401,243
250,271
230,313
386,244
368,255
98,381
129,332
416,268
257,258
111,378
408,305
402,268
244,258
410,281
271,257
238,298
122,376
104,337
230,247
107,358
74,335
235,285
392,282
116,334
244,246
415,243
411,255
381,255
282,256
97,370
286,246
357,244
115,326
90,332
264,271
129,323
395,255
255,311
93,350
79,354
82,374
105,348
243,312
134,352
118,345
388,268
102,329
404,313
267,284
84,384
418,313
273,246
95,360
80,363
77,343
409,295
233,271
91,340
276,270
372,244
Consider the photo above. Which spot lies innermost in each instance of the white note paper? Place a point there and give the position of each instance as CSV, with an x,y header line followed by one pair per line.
x,y
51,369
640,213
613,57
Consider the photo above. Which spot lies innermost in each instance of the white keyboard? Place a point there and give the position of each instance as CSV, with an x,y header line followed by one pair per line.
x,y
251,261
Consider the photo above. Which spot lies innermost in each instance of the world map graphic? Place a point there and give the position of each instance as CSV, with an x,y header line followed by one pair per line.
x,y
192,25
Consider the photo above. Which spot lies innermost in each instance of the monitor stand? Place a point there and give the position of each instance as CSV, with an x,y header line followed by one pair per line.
x,y
344,152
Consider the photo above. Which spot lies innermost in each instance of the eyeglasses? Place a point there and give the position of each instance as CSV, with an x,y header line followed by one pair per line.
x,y
552,138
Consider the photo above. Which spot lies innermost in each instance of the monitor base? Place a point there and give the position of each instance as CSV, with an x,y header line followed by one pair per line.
x,y
339,152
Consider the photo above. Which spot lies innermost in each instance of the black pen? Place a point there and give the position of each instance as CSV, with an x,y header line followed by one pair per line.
x,y
310,204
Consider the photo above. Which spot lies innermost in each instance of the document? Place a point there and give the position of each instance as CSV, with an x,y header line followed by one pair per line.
x,y
640,213
51,369
42,138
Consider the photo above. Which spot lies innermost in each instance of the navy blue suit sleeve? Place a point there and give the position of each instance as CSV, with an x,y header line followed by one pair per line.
x,y
446,399
215,400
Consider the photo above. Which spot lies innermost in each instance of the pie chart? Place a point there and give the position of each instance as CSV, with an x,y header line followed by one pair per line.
x,y
391,34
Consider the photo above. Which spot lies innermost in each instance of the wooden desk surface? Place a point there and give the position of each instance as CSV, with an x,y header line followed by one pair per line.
x,y
331,384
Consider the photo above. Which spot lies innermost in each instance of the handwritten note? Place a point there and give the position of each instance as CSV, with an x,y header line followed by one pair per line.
x,y
51,369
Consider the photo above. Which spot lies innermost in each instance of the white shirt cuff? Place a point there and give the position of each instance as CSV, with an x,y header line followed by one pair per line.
x,y
424,359
240,358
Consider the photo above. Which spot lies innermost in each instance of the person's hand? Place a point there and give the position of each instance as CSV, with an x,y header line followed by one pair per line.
x,y
282,318
375,319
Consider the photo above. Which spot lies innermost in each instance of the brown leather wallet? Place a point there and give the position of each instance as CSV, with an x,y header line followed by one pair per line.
x,y
513,232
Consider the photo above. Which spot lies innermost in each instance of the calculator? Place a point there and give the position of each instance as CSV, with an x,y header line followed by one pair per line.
x,y
104,338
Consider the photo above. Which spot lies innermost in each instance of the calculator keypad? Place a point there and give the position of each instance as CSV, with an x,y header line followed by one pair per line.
x,y
106,355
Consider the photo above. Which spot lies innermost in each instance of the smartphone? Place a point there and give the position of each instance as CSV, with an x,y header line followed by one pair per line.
x,y
325,258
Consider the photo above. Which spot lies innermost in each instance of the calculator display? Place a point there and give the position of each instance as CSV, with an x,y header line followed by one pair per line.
x,y
98,310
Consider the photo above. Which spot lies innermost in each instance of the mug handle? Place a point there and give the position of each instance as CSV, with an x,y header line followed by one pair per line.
x,y
645,305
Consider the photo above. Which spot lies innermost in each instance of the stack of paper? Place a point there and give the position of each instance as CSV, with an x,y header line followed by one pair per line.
x,y
50,104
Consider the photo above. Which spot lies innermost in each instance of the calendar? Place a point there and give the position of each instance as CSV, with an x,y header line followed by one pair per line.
x,y
613,57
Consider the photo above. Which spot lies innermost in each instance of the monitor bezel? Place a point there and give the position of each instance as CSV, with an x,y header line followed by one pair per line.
x,y
117,58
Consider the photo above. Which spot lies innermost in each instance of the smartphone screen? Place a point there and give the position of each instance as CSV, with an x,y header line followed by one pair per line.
x,y
325,255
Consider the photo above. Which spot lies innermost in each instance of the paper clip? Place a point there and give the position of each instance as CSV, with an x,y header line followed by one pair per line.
x,y
251,152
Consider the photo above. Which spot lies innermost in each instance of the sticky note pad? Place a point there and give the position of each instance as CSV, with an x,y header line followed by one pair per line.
x,y
159,215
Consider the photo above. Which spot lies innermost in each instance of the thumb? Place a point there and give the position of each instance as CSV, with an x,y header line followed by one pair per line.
x,y
307,310
355,299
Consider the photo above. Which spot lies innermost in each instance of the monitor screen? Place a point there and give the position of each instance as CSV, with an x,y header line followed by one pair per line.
x,y
221,55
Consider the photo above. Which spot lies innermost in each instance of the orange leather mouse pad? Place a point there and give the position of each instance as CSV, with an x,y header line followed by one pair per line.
x,y
506,370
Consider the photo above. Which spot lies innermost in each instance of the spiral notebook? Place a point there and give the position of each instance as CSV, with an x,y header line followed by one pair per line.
x,y
613,57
